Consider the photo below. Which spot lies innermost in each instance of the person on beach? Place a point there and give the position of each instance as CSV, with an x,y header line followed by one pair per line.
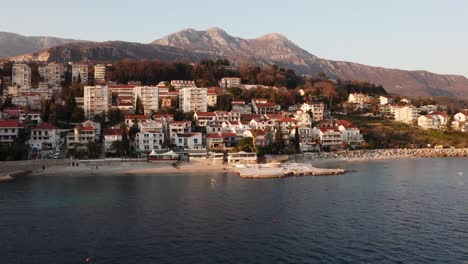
x,y
43,167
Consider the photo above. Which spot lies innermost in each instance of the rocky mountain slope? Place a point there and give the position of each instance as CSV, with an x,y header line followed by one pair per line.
x,y
193,45
13,44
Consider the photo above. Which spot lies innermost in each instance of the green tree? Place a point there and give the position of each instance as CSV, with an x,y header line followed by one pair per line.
x,y
115,116
139,109
245,144
93,150
297,141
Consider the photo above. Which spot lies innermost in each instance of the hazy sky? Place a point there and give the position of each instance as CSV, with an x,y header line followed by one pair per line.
x,y
408,34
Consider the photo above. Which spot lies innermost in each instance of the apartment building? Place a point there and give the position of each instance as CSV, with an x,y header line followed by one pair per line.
x,y
9,130
316,109
193,99
82,134
100,73
230,82
146,141
45,136
180,84
21,75
211,97
96,99
263,107
80,72
52,74
149,96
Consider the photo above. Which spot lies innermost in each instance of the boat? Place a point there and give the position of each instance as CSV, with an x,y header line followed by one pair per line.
x,y
169,156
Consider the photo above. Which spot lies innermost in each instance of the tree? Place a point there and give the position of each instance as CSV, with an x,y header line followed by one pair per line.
x,y
245,144
77,115
139,109
115,116
93,150
297,141
279,140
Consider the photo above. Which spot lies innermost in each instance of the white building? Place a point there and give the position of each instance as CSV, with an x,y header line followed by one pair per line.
x,y
193,99
21,75
180,84
192,140
82,134
9,130
149,96
359,98
383,100
329,137
351,134
241,107
110,136
211,97
404,113
53,74
230,82
96,99
44,137
460,121
435,120
263,107
316,109
204,118
178,127
146,141
80,72
100,73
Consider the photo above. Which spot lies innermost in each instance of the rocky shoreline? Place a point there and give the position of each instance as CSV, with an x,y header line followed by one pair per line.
x,y
387,154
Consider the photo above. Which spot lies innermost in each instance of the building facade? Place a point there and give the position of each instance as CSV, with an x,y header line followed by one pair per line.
x,y
193,99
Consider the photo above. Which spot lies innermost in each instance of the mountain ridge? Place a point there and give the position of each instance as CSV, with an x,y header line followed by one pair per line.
x,y
273,48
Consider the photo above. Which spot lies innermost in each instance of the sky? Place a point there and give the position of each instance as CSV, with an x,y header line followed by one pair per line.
x,y
406,34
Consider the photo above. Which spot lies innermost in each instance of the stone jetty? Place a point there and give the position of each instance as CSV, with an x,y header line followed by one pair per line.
x,y
294,169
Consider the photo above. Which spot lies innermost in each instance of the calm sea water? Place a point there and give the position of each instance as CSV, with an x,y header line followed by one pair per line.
x,y
403,211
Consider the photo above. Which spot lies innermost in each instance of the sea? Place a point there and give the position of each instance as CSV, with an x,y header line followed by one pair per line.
x,y
387,211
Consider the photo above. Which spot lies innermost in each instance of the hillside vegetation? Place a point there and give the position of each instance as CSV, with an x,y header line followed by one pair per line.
x,y
382,133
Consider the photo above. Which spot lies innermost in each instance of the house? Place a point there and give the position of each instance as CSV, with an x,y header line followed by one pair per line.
x,y
306,138
131,119
330,138
203,118
32,117
359,98
214,141
178,127
242,158
261,138
230,82
82,134
262,106
191,140
460,121
241,107
9,130
45,136
351,133
146,141
436,120
316,109
211,96
110,136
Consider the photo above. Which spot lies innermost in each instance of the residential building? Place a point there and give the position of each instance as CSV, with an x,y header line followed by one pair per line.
x,y
383,100
82,134
329,138
96,99
191,140
241,107
230,82
178,127
351,133
45,136
131,119
460,121
146,141
110,136
21,75
404,113
435,120
9,130
204,118
100,73
359,98
211,97
80,72
180,84
28,100
193,99
316,109
220,140
262,107
52,74
149,96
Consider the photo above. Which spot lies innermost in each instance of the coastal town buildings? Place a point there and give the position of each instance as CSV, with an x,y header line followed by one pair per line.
x,y
100,73
149,96
82,134
111,135
241,107
193,99
180,84
45,136
262,107
436,121
9,130
211,97
189,140
146,141
21,75
316,109
52,74
460,121
80,72
96,100
230,82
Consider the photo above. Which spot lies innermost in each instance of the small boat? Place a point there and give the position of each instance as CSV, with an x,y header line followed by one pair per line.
x,y
169,156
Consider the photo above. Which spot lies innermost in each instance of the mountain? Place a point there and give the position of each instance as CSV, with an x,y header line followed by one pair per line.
x,y
112,51
193,45
13,44
276,49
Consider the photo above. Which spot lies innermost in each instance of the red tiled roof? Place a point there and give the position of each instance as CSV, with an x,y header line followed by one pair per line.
x,y
178,122
213,135
88,128
113,132
138,117
274,116
45,126
205,114
327,129
268,104
10,123
229,134
187,134
248,117
162,115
